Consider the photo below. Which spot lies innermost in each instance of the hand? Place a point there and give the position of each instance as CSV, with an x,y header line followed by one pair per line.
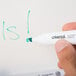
x,y
67,52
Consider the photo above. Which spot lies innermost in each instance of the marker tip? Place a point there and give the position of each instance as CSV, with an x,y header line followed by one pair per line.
x,y
28,39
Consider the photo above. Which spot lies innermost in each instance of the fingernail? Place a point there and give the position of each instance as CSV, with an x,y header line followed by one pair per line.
x,y
60,45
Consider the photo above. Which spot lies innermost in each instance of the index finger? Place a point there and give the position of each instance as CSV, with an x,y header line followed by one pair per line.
x,y
69,26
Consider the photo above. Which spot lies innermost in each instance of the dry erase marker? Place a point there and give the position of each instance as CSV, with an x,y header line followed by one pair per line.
x,y
51,38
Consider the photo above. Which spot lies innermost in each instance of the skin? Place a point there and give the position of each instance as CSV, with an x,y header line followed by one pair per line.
x,y
67,54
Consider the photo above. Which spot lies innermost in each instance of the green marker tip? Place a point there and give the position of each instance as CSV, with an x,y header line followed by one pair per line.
x,y
28,39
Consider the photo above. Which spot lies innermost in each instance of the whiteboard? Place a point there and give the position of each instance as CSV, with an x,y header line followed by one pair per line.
x,y
45,16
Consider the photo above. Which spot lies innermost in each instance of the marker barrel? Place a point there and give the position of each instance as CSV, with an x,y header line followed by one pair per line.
x,y
51,38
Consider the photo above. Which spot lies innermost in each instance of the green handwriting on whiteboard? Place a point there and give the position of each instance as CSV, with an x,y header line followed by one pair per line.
x,y
9,29
28,22
3,30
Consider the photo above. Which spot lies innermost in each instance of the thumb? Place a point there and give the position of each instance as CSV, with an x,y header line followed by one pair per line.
x,y
67,57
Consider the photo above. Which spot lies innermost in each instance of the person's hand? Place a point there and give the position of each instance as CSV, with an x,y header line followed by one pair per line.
x,y
67,52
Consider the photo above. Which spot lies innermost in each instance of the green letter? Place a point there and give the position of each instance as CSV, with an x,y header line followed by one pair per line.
x,y
3,31
28,22
9,29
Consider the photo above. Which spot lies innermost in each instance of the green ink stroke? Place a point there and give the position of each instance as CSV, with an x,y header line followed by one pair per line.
x,y
9,29
28,22
4,31
27,40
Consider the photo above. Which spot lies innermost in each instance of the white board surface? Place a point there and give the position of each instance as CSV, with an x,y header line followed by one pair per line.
x,y
45,16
